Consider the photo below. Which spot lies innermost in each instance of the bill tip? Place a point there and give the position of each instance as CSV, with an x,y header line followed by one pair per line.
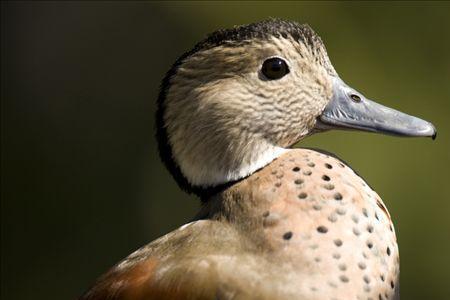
x,y
434,135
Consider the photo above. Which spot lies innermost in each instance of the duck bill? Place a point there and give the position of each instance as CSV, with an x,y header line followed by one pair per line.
x,y
349,109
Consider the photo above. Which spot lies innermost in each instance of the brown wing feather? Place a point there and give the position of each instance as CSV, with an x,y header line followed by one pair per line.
x,y
147,274
136,283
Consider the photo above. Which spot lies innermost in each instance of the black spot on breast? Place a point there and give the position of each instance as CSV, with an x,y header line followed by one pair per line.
x,y
326,178
328,186
365,213
287,235
322,229
338,196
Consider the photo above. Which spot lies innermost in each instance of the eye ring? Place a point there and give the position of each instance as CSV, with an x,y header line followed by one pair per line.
x,y
355,98
274,68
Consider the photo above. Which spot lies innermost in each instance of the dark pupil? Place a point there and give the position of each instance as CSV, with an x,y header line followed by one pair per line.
x,y
274,68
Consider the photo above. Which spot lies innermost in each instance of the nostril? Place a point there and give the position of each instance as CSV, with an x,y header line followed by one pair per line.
x,y
355,98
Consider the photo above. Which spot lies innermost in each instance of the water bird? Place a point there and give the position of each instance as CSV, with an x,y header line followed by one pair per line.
x,y
275,222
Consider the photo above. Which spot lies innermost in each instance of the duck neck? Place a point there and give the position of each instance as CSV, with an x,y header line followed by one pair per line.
x,y
210,168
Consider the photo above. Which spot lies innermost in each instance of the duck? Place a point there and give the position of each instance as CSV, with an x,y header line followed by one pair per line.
x,y
276,222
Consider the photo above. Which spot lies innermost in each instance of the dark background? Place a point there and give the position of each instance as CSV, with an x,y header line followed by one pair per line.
x,y
82,185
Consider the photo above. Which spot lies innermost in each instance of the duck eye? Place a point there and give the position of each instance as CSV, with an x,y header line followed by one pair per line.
x,y
355,98
274,68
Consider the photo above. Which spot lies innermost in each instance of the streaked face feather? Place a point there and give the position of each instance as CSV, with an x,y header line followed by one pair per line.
x,y
225,120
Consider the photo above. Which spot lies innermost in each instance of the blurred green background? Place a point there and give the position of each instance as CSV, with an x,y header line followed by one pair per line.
x,y
82,184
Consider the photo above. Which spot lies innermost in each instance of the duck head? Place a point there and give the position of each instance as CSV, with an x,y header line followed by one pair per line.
x,y
241,97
